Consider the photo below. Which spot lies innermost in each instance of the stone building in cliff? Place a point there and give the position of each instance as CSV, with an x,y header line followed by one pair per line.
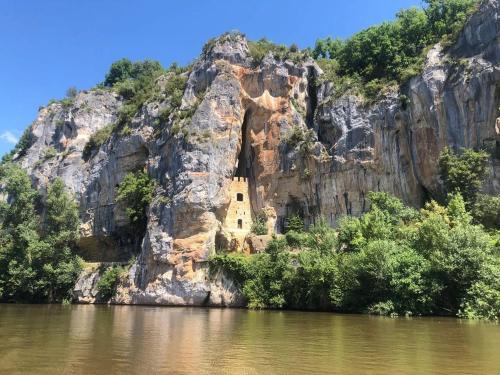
x,y
238,221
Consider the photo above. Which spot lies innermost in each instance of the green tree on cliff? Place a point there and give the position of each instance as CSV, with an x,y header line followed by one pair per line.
x,y
463,172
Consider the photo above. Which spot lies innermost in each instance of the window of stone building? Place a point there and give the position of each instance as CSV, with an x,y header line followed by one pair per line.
x,y
240,223
239,197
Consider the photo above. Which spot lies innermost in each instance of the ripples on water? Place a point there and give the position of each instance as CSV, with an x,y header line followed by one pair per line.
x,y
44,339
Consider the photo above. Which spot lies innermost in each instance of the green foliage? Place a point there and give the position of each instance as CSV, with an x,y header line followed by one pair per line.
x,y
464,172
135,192
230,36
295,223
119,72
236,265
174,91
61,219
328,48
391,51
392,260
124,69
106,286
135,82
26,141
71,92
482,300
447,17
302,139
259,49
97,140
37,261
269,277
259,225
486,211
126,89
50,152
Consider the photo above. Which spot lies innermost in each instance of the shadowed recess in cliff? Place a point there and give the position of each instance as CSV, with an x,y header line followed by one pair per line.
x,y
244,155
313,97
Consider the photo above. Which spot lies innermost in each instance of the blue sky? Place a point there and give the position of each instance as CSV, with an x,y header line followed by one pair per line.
x,y
48,46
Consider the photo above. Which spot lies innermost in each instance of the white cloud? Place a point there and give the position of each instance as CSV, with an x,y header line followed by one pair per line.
x,y
7,136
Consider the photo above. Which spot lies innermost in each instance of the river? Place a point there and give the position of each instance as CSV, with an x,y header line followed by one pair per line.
x,y
87,339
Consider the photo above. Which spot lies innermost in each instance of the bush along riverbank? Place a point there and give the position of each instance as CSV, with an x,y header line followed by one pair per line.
x,y
393,260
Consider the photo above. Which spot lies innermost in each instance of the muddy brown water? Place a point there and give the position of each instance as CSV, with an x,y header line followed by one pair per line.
x,y
81,339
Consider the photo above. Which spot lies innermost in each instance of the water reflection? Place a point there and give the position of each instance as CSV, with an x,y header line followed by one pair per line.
x,y
41,339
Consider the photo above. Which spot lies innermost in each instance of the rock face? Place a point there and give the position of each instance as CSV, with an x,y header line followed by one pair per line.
x,y
244,126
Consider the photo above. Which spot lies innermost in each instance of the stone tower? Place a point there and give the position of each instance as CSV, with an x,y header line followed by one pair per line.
x,y
238,220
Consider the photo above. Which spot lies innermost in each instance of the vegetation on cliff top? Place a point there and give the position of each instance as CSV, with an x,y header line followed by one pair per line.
x,y
37,239
392,52
136,83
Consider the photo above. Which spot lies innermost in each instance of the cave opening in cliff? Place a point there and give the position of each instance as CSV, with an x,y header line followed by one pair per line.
x,y
244,155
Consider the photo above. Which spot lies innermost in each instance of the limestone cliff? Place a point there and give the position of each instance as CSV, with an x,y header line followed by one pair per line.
x,y
244,124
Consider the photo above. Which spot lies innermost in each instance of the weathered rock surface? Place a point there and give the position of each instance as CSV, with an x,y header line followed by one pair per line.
x,y
247,113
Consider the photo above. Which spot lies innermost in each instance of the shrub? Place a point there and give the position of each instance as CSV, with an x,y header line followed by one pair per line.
x,y
49,153
67,102
126,89
464,172
118,72
269,272
447,17
303,139
393,51
71,92
296,239
390,261
259,49
135,82
135,192
106,286
26,141
482,300
486,211
259,225
295,223
236,265
96,140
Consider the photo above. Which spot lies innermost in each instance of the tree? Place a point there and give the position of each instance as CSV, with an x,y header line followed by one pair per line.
x,y
60,231
392,51
37,261
269,276
71,92
135,192
106,285
391,260
486,211
119,71
447,16
413,31
259,226
295,223
328,48
464,172
19,236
